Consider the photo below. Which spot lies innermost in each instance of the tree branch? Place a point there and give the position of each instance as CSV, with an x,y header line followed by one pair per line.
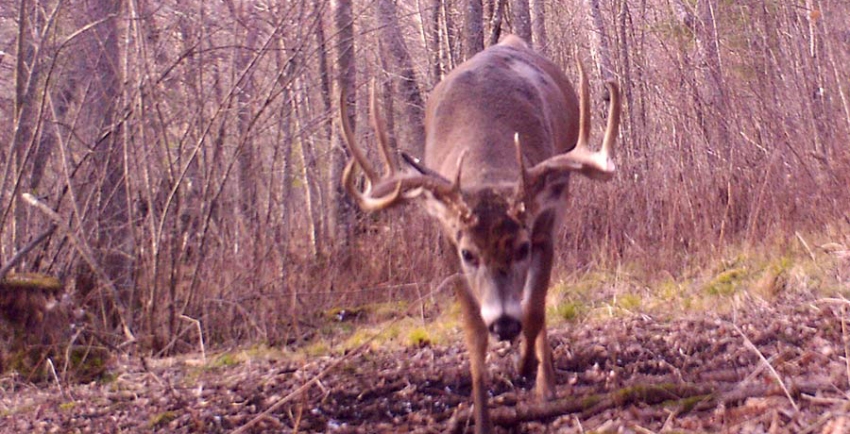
x,y
21,253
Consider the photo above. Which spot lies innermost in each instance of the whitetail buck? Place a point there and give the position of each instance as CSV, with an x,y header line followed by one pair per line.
x,y
504,130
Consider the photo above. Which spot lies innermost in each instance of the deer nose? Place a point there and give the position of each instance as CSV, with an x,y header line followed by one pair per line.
x,y
505,328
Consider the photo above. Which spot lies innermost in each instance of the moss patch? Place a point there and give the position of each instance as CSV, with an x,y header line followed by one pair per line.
x,y
161,419
727,282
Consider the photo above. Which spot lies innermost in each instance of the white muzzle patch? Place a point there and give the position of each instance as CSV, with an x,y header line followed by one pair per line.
x,y
496,308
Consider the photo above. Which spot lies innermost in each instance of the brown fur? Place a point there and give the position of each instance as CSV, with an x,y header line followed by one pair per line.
x,y
485,123
495,231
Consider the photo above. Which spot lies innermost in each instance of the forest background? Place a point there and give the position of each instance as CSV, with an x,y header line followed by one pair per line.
x,y
176,163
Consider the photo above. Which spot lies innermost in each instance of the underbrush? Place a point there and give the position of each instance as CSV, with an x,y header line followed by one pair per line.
x,y
816,264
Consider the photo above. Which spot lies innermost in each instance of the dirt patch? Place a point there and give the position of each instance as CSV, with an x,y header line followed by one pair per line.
x,y
767,367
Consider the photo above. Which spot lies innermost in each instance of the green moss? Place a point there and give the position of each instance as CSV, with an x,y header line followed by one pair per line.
x,y
359,337
317,348
727,282
590,401
225,360
685,405
631,302
31,281
669,290
419,337
85,363
161,419
570,310
108,377
388,311
67,406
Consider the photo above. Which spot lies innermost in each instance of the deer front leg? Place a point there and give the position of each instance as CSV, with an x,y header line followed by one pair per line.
x,y
536,352
476,343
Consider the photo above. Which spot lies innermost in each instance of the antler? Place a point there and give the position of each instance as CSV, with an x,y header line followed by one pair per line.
x,y
383,192
597,165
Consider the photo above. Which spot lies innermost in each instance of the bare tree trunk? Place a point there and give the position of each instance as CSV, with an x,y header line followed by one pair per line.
x,y
60,98
311,183
114,238
324,72
627,127
496,22
707,45
711,78
521,19
387,96
413,132
247,180
27,80
473,30
58,93
683,14
599,45
819,107
488,9
538,25
285,128
452,48
433,44
341,216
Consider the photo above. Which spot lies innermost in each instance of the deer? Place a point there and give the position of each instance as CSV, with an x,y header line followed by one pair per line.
x,y
503,132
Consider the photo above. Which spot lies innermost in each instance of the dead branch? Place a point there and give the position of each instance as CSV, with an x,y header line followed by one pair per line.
x,y
587,405
84,251
20,255
687,397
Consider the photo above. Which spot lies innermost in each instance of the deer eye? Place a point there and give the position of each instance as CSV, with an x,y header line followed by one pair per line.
x,y
469,258
522,252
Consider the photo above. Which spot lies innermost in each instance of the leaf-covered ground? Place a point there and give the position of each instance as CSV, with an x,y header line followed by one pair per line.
x,y
763,367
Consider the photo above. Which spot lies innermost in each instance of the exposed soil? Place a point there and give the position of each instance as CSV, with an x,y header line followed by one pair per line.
x,y
771,367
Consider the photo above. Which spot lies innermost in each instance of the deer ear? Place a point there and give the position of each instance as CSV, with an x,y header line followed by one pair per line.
x,y
438,209
451,218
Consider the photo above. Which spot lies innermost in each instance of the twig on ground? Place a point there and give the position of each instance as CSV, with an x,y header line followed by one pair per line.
x,y
52,369
806,245
764,360
588,406
844,343
844,338
197,324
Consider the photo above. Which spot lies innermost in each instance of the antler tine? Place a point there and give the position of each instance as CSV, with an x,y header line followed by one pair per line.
x,y
597,165
367,200
584,105
348,134
456,183
523,173
613,128
385,191
522,193
380,131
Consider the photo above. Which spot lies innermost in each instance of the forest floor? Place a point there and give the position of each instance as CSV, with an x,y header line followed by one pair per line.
x,y
762,364
769,367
